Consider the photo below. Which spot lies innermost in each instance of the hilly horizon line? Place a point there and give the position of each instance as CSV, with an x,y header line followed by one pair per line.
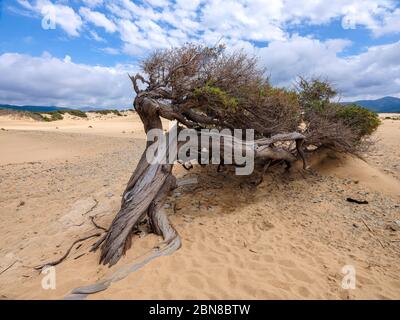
x,y
385,104
42,108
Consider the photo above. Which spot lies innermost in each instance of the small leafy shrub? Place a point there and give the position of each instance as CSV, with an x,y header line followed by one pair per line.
x,y
344,128
76,113
359,119
56,116
315,93
50,116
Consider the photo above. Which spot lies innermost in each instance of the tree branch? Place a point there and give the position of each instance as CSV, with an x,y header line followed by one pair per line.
x,y
134,82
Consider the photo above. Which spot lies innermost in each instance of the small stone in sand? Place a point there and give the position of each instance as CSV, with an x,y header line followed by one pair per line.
x,y
394,226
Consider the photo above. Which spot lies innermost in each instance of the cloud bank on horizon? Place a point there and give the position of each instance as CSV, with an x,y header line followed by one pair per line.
x,y
78,53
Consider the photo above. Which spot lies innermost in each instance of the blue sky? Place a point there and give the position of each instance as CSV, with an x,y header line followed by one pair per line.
x,y
78,52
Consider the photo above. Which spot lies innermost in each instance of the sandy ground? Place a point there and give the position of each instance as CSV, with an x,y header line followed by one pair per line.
x,y
288,238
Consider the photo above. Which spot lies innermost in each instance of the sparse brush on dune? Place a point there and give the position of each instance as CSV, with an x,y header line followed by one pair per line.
x,y
58,114
49,116
107,111
21,114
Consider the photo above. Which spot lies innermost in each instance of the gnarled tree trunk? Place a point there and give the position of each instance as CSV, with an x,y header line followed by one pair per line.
x,y
143,198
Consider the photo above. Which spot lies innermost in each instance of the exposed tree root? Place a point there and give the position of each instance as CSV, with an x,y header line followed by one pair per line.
x,y
58,261
96,225
7,268
171,243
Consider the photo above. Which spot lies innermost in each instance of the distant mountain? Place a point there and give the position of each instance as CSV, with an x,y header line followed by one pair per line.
x,y
45,108
385,104
31,108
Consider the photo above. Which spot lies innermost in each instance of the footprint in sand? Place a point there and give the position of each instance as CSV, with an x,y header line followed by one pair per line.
x,y
231,278
298,274
195,282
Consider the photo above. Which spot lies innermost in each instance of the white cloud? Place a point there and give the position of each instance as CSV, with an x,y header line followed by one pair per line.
x,y
234,20
145,35
47,80
96,37
98,19
51,81
351,12
389,24
158,3
298,55
64,16
93,3
159,25
111,51
371,74
139,11
189,5
152,24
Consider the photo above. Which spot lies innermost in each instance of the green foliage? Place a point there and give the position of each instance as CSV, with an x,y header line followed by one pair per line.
x,y
22,113
217,95
76,113
289,96
50,116
333,118
107,111
359,119
58,115
315,93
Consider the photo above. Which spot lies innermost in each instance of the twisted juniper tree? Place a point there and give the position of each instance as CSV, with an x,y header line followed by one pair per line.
x,y
202,87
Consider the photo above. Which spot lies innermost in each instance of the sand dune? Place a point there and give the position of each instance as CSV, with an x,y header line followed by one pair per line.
x,y
288,238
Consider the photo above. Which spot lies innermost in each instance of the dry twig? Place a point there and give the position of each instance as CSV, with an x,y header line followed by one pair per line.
x,y
58,261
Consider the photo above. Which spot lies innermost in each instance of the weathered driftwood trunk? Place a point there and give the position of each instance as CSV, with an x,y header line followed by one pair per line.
x,y
143,198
